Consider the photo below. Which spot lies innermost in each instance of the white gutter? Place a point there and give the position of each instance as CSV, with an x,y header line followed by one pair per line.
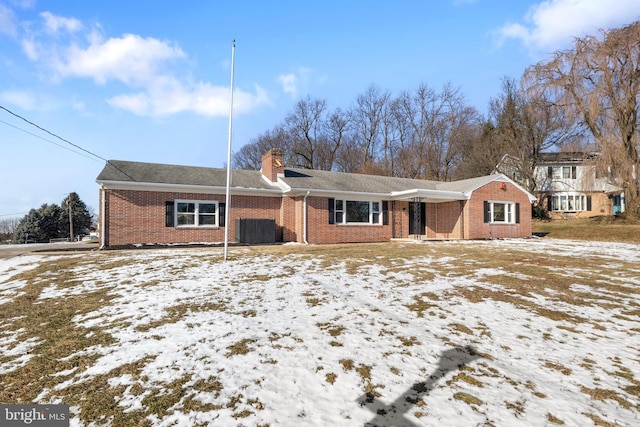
x,y
358,195
103,221
201,189
430,194
304,219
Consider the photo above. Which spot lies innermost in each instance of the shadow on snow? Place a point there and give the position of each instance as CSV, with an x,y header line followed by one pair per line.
x,y
393,414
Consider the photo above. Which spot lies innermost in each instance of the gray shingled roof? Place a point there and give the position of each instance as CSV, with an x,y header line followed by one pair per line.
x,y
306,179
297,179
154,173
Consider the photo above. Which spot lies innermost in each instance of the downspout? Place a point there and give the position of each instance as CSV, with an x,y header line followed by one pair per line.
x,y
436,230
103,222
304,219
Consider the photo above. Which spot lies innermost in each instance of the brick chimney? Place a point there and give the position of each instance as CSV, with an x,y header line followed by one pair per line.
x,y
272,164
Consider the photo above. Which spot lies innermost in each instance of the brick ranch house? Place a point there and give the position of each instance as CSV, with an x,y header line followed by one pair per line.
x,y
145,203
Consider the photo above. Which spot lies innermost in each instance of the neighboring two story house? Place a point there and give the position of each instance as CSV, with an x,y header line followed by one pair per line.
x,y
568,186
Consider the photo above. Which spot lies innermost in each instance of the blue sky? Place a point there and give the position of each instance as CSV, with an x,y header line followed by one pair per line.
x,y
149,80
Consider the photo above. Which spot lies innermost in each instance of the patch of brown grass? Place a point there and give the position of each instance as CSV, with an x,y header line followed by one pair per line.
x,y
558,367
239,347
553,419
467,398
604,394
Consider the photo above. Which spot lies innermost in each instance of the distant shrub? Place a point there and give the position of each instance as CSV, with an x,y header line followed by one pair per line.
x,y
540,212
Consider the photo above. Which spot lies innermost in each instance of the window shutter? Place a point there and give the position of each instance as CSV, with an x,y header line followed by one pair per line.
x,y
549,203
549,172
589,203
517,213
168,214
573,172
385,212
222,207
332,204
487,212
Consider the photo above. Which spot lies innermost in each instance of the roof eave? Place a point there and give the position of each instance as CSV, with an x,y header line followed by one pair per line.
x,y
435,195
191,188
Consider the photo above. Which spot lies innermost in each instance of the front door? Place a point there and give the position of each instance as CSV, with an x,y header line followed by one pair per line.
x,y
417,218
617,205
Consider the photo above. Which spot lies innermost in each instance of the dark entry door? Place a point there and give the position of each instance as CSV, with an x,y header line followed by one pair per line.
x,y
417,218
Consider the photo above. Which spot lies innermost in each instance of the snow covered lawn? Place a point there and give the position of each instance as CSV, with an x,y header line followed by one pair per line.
x,y
531,332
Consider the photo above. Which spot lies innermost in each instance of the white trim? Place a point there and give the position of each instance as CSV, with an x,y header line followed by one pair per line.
x,y
196,213
103,217
511,210
445,196
503,178
344,212
574,194
182,188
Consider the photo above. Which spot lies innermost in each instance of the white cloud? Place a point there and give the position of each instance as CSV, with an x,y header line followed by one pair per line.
x,y
149,67
24,100
552,24
54,23
294,83
288,82
8,23
130,59
167,96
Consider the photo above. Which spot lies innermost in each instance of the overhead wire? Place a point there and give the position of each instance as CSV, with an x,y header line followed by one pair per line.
x,y
62,139
49,141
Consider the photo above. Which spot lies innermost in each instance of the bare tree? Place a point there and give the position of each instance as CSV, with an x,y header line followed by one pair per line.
x,y
310,137
529,123
481,151
336,128
249,157
598,80
8,226
304,127
367,117
430,126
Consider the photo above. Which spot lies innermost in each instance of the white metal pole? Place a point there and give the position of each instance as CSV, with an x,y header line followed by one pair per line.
x,y
228,197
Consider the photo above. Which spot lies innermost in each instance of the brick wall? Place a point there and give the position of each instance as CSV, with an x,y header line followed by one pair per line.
x,y
444,220
138,217
474,226
320,231
400,218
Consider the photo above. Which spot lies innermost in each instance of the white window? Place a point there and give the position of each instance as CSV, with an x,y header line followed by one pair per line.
x,y
568,203
501,213
189,213
562,172
357,212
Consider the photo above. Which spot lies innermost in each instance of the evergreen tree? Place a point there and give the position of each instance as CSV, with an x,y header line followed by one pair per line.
x,y
52,221
29,228
79,213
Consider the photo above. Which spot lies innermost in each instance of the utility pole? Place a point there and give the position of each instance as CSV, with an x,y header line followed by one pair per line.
x,y
70,219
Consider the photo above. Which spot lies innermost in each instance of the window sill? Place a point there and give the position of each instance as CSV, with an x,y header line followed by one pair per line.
x,y
358,224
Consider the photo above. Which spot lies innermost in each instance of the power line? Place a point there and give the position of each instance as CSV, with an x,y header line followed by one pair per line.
x,y
52,134
64,140
15,213
48,140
